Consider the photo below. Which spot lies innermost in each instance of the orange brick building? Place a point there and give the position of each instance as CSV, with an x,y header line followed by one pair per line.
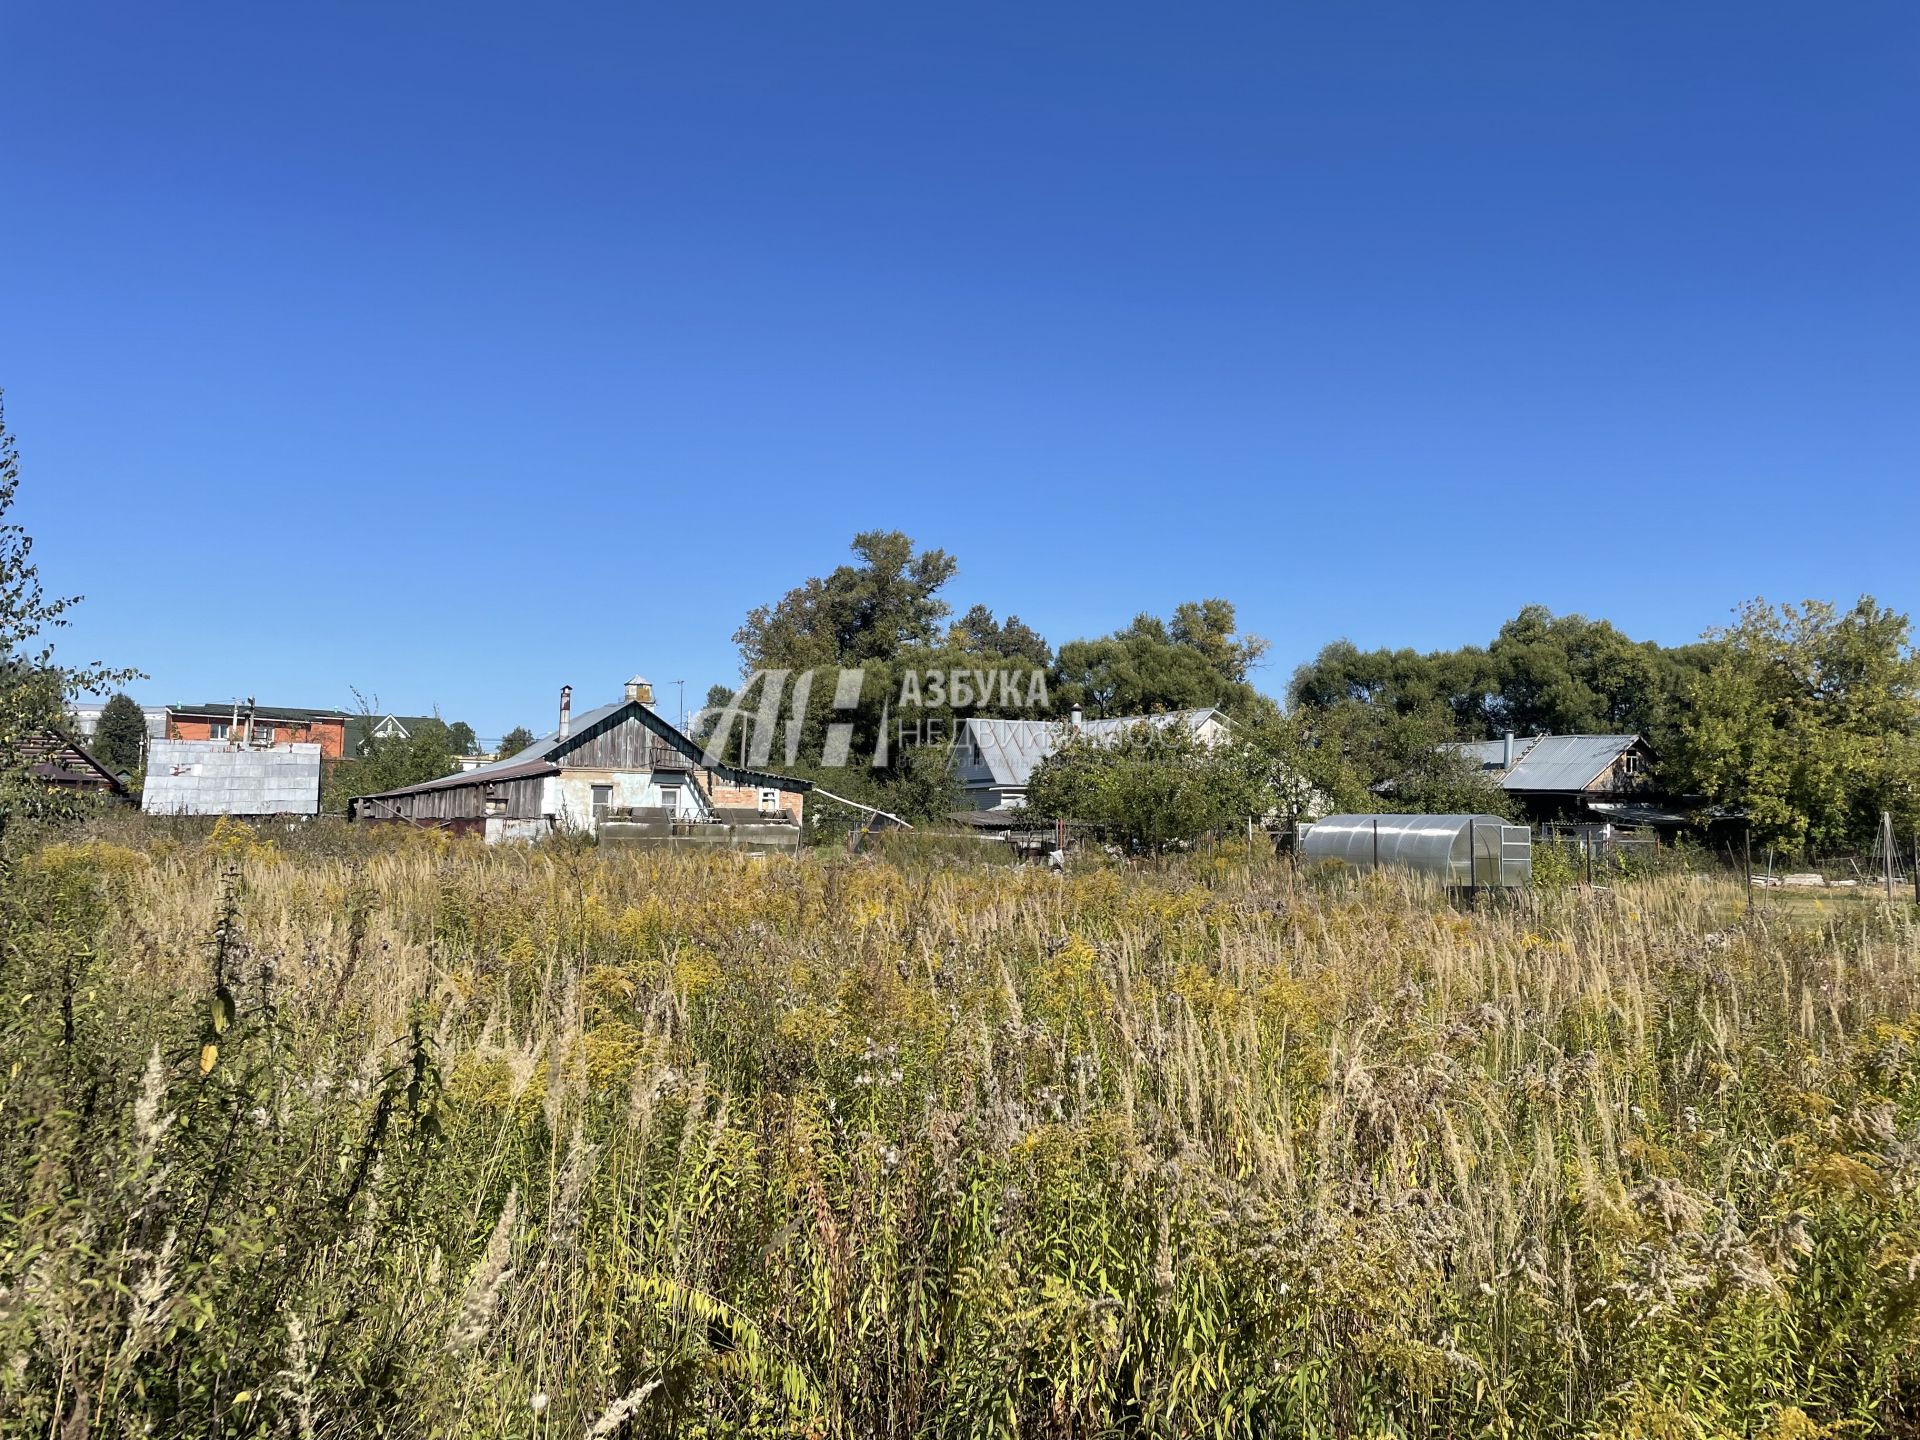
x,y
264,724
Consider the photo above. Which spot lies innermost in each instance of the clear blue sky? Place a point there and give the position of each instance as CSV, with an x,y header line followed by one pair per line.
x,y
459,351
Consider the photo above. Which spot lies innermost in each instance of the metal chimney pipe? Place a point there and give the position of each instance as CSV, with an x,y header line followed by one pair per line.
x,y
1073,717
566,710
1506,753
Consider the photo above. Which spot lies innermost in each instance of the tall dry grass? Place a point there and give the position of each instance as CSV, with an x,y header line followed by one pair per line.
x,y
424,1139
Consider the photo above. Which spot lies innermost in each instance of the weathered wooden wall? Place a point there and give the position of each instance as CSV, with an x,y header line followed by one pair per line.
x,y
461,802
621,742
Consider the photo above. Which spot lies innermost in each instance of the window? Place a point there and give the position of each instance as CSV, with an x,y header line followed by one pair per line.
x,y
670,797
495,804
262,734
602,801
217,729
769,801
1630,764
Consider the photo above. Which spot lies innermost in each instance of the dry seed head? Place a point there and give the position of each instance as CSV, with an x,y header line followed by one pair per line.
x,y
482,1295
621,1411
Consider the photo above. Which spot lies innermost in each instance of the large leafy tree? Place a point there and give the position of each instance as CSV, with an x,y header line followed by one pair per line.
x,y
1567,674
1809,722
1455,687
120,739
1153,785
34,687
1542,674
1198,660
516,740
870,610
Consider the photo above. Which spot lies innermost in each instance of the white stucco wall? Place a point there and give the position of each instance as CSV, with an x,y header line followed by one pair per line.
x,y
568,796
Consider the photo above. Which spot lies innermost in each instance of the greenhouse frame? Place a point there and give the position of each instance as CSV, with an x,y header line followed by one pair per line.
x,y
1463,850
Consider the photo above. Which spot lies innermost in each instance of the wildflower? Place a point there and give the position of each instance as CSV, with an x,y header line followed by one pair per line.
x,y
538,1404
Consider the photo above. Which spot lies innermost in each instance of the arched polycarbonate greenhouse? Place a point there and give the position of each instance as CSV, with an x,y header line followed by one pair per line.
x,y
1454,849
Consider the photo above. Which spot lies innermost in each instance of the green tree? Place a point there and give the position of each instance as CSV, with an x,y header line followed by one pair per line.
x,y
867,611
34,687
1809,722
461,736
516,740
1153,785
385,763
1542,674
1151,666
978,633
1567,675
120,739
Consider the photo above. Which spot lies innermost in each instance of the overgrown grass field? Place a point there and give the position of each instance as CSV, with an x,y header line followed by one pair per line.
x,y
415,1138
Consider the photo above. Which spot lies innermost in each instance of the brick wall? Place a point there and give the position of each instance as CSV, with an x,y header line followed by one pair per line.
x,y
791,801
328,732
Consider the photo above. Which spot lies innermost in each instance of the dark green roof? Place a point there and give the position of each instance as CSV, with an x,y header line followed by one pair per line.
x,y
224,710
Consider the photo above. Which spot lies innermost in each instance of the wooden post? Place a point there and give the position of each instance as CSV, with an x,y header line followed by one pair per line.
x,y
1746,849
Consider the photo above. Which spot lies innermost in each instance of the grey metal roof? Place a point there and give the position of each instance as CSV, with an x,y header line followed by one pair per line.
x,y
214,777
1013,749
1554,764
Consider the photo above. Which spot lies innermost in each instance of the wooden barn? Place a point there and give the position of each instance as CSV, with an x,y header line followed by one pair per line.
x,y
621,771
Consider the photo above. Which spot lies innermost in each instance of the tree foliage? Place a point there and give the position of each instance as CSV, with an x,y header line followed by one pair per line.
x,y
1809,722
978,633
1153,785
516,740
1383,713
120,739
34,686
387,762
866,611
1198,660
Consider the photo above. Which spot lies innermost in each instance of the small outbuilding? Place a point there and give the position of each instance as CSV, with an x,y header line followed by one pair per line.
x,y
1463,850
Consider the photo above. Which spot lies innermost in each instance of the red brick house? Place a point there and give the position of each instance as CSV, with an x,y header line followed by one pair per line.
x,y
261,725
